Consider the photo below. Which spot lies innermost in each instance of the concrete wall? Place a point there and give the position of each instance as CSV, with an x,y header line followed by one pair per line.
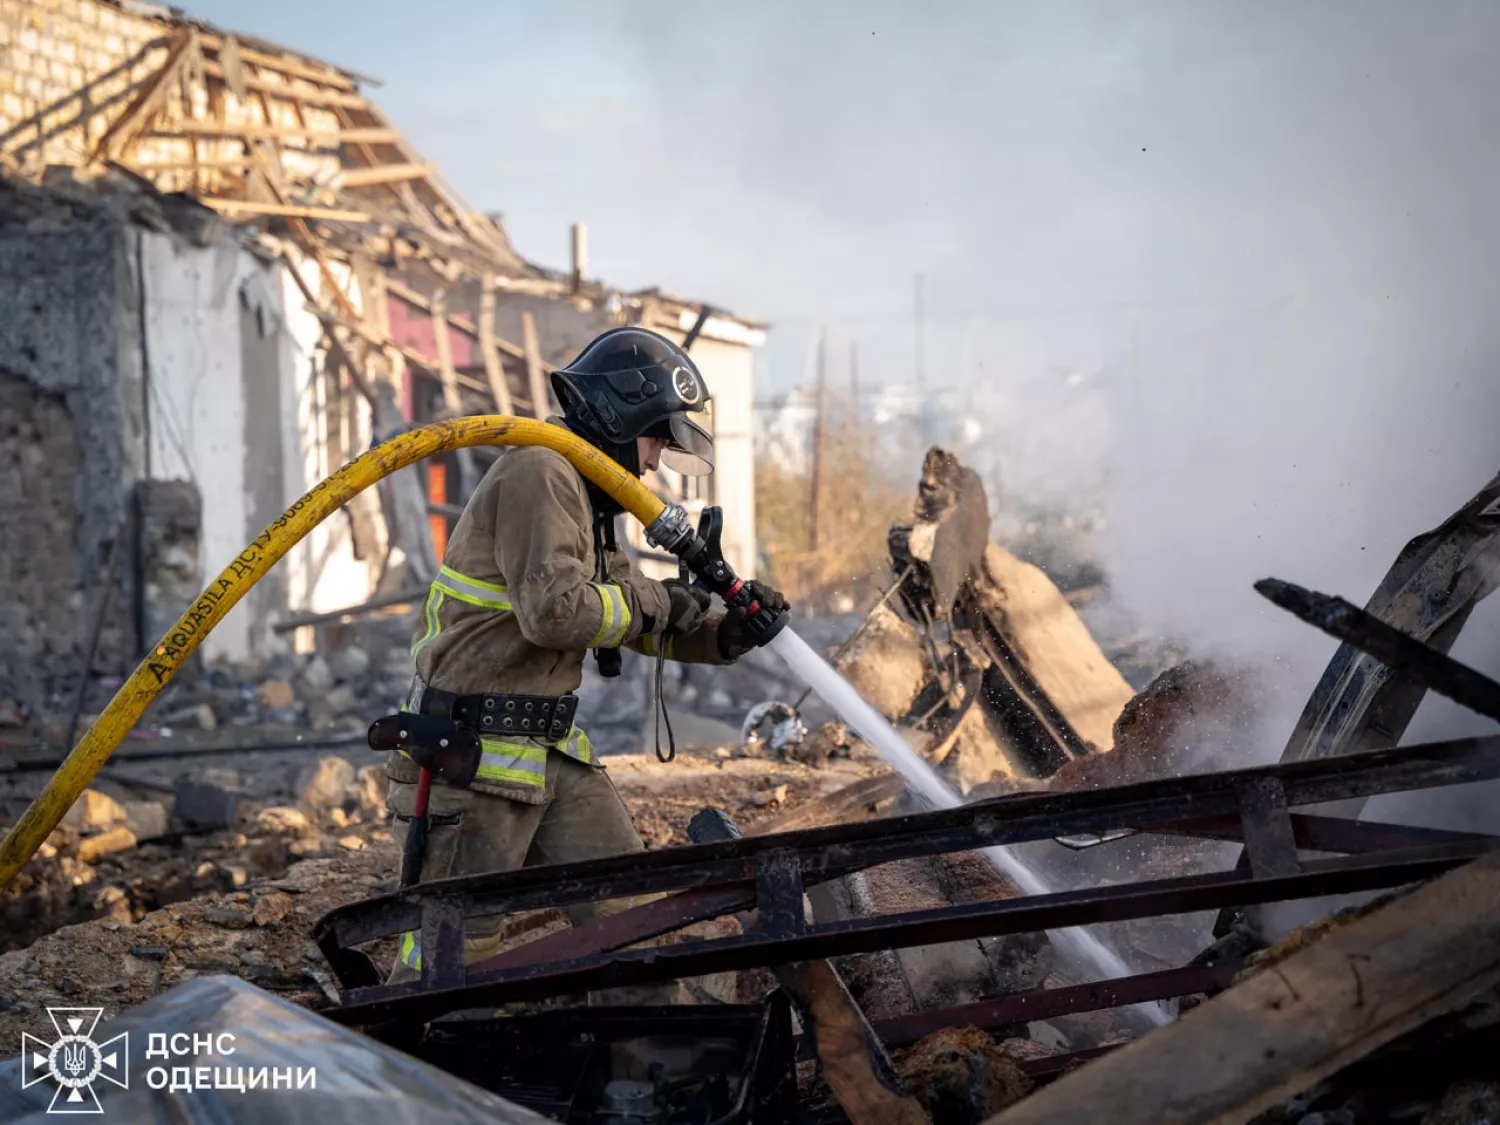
x,y
64,428
130,354
196,393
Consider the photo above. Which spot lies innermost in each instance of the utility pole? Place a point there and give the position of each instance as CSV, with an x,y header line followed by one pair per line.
x,y
815,510
921,332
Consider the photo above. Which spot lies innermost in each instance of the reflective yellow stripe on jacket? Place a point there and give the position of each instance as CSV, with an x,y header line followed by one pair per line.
x,y
451,584
614,621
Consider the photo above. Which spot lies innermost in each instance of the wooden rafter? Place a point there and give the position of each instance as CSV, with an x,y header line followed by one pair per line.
x,y
384,174
182,51
251,207
309,94
535,380
411,297
330,138
282,64
329,324
365,151
445,353
267,164
494,369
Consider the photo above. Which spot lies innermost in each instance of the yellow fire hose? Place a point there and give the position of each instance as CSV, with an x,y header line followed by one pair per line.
x,y
252,564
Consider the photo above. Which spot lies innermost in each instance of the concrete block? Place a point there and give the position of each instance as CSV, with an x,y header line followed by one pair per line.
x,y
325,784
283,820
91,849
94,810
200,806
277,694
370,784
148,820
316,678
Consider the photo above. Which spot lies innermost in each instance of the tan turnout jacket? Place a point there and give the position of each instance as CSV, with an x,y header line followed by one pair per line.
x,y
516,607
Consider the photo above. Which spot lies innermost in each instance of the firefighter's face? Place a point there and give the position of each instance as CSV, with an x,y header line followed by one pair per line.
x,y
650,450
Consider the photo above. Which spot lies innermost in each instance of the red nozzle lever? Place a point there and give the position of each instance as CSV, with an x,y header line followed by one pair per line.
x,y
739,584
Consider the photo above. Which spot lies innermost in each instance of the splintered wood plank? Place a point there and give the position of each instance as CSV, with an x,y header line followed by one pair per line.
x,y
839,807
451,400
494,370
848,1048
1299,1020
296,210
534,379
384,174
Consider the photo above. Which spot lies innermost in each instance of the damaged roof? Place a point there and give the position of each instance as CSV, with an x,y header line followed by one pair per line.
x,y
261,134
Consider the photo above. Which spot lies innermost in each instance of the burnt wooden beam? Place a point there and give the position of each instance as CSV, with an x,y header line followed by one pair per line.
x,y
1299,1020
1346,622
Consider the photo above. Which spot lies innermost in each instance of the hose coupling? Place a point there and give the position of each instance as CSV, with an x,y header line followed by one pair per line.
x,y
671,530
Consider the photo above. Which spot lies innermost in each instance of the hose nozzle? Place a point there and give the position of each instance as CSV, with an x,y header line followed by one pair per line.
x,y
701,553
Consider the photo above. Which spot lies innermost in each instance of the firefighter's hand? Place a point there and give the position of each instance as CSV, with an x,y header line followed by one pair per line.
x,y
769,597
688,605
735,638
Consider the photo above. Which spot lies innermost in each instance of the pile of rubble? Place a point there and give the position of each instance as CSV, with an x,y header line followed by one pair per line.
x,y
122,858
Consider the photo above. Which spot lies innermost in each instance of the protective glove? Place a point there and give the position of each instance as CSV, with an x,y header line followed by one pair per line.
x,y
688,605
734,635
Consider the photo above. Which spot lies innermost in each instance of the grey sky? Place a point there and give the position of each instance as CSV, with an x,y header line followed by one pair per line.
x,y
1267,233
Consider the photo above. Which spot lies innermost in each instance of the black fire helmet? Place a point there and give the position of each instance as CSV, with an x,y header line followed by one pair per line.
x,y
630,383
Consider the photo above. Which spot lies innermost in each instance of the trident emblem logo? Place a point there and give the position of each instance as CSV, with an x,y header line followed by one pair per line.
x,y
75,1062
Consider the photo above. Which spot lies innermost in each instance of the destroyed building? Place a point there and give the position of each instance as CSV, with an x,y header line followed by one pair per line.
x,y
224,274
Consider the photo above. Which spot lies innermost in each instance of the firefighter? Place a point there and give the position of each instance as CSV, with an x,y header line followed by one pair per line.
x,y
531,580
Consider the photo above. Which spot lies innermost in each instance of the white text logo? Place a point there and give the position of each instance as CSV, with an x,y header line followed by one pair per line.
x,y
75,1062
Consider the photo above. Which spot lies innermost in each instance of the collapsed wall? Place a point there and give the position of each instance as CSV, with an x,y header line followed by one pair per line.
x,y
71,413
161,391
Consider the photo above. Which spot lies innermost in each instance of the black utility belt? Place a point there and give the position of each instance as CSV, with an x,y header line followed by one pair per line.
x,y
496,713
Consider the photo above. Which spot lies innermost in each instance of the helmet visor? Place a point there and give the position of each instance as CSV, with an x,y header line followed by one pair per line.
x,y
690,448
